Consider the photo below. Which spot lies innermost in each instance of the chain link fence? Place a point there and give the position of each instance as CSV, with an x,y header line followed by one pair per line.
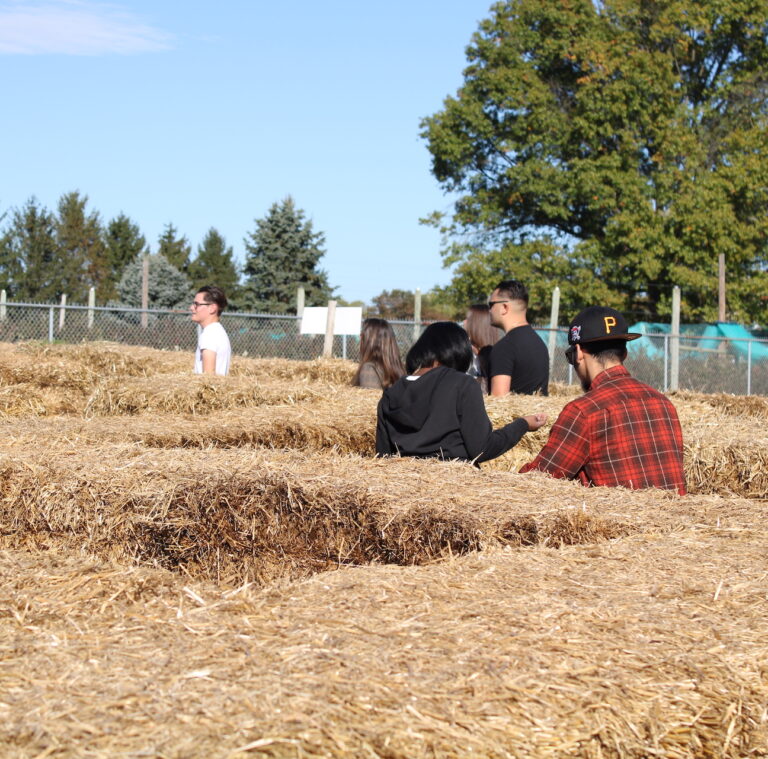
x,y
706,364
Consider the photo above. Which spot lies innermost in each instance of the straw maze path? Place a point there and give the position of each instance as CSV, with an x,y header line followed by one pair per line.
x,y
220,568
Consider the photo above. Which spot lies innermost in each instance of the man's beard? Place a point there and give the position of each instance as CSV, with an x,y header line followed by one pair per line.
x,y
586,384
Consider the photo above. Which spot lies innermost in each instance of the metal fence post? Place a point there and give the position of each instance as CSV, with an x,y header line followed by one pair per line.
x,y
50,324
674,380
554,317
3,300
145,292
62,311
416,315
749,368
91,305
666,361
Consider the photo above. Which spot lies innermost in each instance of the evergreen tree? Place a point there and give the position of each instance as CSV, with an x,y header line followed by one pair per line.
x,y
624,144
124,243
168,287
282,253
215,265
29,257
175,250
82,261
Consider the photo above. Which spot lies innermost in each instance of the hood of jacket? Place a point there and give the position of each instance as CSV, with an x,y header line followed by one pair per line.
x,y
408,402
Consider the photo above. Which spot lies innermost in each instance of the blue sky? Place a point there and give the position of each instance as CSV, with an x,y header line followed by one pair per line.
x,y
204,114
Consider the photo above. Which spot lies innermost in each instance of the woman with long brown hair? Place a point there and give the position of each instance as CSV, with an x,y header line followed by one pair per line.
x,y
380,362
483,336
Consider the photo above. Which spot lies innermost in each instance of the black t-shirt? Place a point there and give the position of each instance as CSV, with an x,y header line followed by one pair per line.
x,y
522,355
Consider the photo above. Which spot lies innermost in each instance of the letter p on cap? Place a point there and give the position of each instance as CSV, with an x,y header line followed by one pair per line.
x,y
610,321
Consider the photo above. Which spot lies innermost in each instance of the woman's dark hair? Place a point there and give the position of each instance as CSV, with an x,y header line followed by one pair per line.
x,y
378,346
444,342
479,328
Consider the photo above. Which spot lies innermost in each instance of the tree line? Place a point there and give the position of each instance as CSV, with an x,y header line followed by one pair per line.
x,y
44,254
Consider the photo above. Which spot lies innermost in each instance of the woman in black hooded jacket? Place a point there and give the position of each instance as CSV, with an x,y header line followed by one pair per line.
x,y
437,410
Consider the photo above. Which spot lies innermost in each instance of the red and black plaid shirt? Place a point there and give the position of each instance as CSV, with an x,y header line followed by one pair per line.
x,y
621,432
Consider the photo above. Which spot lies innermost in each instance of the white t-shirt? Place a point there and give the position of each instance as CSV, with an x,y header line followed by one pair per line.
x,y
214,338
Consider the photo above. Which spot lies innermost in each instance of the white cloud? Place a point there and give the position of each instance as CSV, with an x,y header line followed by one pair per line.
x,y
75,27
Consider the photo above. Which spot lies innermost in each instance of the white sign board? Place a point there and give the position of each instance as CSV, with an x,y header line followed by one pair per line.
x,y
348,320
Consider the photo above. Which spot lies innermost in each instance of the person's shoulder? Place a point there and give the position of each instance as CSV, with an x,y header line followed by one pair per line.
x,y
530,335
215,327
503,343
641,388
369,377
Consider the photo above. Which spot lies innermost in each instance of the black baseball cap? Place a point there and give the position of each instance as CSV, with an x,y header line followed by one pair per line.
x,y
599,323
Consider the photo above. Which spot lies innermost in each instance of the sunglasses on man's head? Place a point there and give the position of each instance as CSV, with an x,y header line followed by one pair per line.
x,y
570,355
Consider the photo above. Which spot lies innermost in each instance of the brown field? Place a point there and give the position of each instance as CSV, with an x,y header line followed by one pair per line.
x,y
220,568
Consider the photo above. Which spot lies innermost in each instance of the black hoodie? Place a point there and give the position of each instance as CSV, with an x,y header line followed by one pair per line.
x,y
441,414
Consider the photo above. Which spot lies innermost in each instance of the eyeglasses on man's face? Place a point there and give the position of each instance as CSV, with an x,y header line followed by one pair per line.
x,y
195,304
570,355
492,303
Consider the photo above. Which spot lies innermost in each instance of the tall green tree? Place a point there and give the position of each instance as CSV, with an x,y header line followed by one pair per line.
x,y
82,259
283,253
124,243
626,141
176,250
29,254
168,287
215,265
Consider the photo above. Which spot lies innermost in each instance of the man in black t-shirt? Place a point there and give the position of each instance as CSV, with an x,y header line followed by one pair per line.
x,y
520,360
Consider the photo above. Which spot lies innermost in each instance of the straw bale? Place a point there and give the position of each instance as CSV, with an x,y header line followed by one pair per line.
x,y
332,370
733,405
239,513
101,358
646,646
309,425
42,380
561,390
316,408
193,394
117,359
722,454
26,399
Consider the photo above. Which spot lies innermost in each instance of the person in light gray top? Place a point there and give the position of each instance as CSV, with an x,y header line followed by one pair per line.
x,y
380,362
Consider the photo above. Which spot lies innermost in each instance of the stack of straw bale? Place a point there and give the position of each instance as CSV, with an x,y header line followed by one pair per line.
x,y
194,394
43,380
647,646
239,514
527,617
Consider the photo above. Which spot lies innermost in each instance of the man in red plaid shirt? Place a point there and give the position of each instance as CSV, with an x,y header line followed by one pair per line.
x,y
621,432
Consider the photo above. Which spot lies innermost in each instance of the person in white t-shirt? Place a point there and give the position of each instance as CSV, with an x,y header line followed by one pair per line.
x,y
213,352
